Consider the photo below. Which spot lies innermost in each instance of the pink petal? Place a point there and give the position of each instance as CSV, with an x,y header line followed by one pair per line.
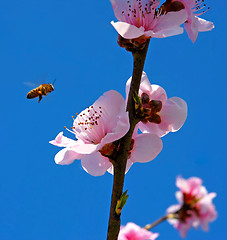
x,y
127,30
182,184
164,32
118,7
85,148
170,20
113,107
119,131
206,202
192,30
155,92
146,148
152,128
114,116
133,231
204,25
145,85
128,165
62,141
167,23
173,114
66,156
95,164
179,196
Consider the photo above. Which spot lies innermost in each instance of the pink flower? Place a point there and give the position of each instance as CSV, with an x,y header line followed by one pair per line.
x,y
194,24
141,19
195,208
96,129
162,115
133,232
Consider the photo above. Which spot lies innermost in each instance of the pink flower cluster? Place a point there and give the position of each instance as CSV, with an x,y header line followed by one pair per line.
x,y
195,206
99,126
133,232
142,19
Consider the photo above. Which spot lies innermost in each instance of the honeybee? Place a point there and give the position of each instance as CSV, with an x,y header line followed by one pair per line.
x,y
41,91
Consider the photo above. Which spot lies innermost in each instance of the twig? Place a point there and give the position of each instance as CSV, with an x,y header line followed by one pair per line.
x,y
120,161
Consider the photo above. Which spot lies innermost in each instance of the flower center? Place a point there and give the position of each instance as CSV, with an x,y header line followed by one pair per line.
x,y
89,125
148,110
198,6
137,10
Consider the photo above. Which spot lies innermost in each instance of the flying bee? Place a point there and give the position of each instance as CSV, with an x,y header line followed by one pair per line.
x,y
41,91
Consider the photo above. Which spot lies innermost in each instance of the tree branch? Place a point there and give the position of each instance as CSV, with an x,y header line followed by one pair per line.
x,y
120,161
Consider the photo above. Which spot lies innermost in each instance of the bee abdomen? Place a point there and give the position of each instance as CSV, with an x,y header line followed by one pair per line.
x,y
33,93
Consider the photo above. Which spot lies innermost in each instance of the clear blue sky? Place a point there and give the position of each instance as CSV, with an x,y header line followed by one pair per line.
x,y
74,42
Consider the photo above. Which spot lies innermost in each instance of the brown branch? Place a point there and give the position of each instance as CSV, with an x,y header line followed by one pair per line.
x,y
160,220
120,161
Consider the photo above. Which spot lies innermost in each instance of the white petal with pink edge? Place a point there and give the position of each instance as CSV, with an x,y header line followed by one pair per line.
x,y
95,164
66,156
127,30
146,148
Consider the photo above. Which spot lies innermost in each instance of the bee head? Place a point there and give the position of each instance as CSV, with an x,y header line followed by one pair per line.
x,y
51,87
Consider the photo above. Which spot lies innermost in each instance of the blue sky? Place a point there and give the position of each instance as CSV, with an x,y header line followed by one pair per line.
x,y
74,42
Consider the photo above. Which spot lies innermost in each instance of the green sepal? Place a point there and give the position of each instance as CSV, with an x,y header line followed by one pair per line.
x,y
121,202
137,98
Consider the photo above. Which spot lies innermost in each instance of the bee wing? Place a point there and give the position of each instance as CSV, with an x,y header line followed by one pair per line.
x,y
31,84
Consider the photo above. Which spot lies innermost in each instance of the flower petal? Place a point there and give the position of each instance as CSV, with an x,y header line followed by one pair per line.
x,y
127,30
163,33
168,25
113,106
154,91
145,85
204,25
146,147
192,29
119,131
95,164
62,141
85,148
66,156
169,20
152,128
128,165
173,114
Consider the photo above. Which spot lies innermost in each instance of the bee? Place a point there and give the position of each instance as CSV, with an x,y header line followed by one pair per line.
x,y
41,91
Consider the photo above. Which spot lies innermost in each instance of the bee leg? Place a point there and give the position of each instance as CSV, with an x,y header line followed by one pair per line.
x,y
44,91
40,98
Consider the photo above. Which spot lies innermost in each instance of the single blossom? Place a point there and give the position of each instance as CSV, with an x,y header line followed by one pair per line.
x,y
140,19
195,206
96,128
194,8
133,232
161,115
